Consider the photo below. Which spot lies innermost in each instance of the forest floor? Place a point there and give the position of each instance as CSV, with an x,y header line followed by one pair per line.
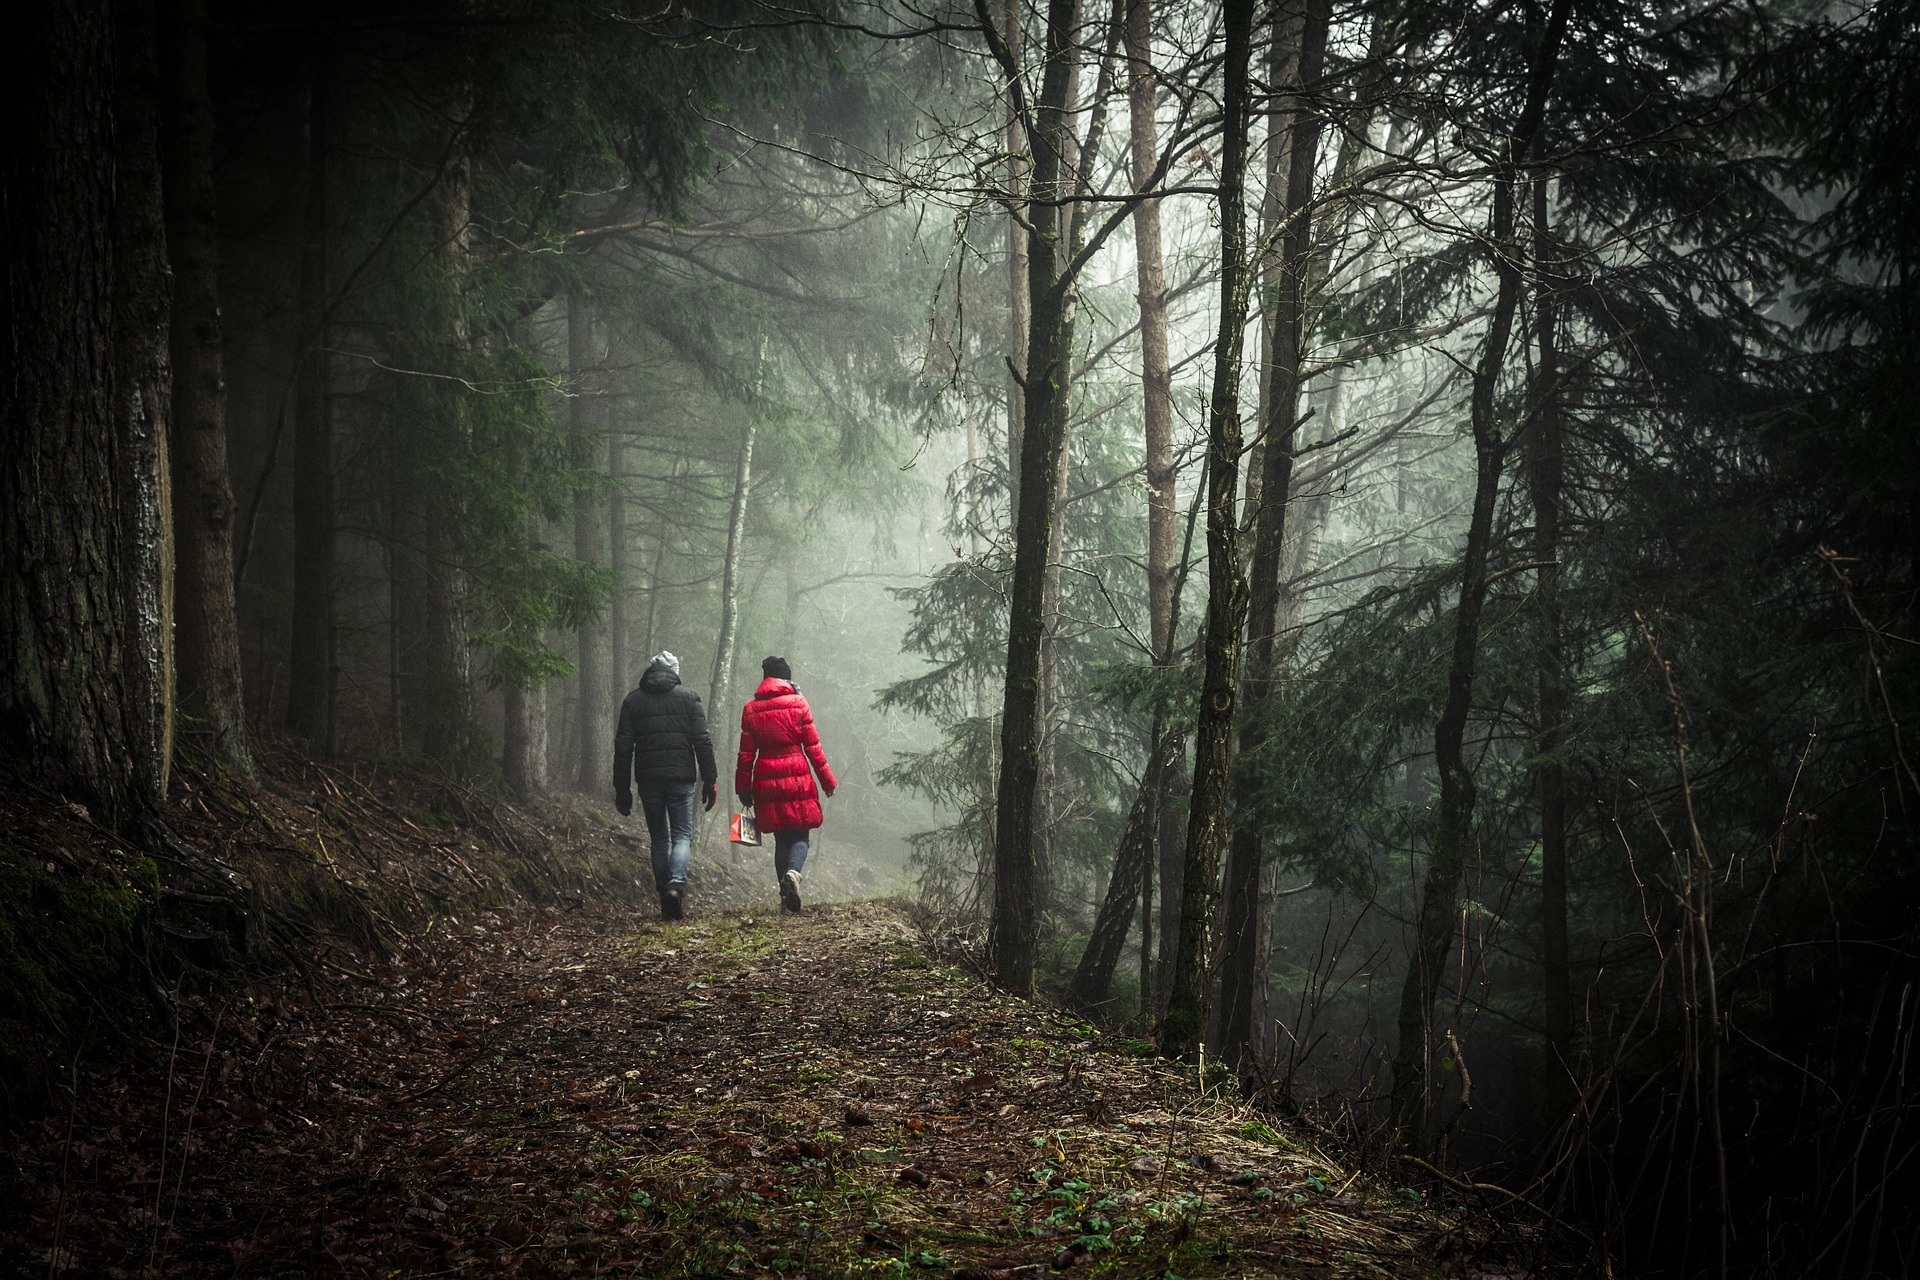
x,y
579,1093
584,1089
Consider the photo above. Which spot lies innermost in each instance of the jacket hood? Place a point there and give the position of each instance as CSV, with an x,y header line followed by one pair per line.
x,y
659,678
773,687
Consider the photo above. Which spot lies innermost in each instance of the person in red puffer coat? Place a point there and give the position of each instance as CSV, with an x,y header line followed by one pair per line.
x,y
780,754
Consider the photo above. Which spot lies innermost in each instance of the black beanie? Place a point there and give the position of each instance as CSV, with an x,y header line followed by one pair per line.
x,y
777,668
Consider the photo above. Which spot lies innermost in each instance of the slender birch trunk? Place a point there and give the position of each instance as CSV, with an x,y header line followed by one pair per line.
x,y
718,691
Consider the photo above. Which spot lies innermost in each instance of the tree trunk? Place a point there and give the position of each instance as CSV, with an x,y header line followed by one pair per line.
x,y
1019,335
1435,917
1545,473
144,395
1049,803
83,390
1298,53
720,689
523,755
621,675
310,665
1172,837
207,630
1012,931
1019,323
1131,871
1147,1002
593,732
1156,384
1191,993
441,690
1156,377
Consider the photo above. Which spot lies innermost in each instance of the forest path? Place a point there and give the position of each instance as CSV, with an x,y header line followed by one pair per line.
x,y
580,1093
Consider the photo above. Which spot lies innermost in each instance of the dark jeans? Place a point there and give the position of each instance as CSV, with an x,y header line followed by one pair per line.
x,y
669,810
789,851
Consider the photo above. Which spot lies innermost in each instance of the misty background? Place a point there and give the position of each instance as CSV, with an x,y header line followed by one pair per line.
x,y
1369,546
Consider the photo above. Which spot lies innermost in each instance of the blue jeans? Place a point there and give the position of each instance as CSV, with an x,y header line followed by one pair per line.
x,y
789,851
669,810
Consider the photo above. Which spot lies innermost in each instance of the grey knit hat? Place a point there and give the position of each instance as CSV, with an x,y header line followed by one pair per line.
x,y
666,659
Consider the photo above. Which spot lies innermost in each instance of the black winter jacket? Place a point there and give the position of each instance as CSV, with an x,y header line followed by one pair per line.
x,y
662,735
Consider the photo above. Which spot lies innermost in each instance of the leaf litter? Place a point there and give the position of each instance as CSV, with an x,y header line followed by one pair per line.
x,y
590,1093
588,1090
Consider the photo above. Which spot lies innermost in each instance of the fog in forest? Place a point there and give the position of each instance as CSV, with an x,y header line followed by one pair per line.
x,y
1367,548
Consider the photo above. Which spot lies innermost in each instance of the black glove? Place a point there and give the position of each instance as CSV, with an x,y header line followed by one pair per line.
x,y
709,792
745,799
624,803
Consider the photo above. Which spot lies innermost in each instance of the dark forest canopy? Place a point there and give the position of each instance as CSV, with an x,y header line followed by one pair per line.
x,y
1376,544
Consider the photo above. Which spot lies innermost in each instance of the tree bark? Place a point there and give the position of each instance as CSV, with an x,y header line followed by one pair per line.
x,y
144,394
441,690
1189,999
83,390
1439,897
593,727
1052,801
207,631
1545,475
1019,323
1163,512
718,691
523,755
621,675
1156,377
1012,931
1298,53
1131,868
310,665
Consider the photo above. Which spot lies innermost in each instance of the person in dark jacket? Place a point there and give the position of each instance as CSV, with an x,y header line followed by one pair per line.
x,y
661,748
780,755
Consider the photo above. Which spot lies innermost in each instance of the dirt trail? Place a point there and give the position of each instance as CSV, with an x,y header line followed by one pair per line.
x,y
744,1093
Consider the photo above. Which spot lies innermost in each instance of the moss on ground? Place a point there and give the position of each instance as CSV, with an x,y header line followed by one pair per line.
x,y
74,935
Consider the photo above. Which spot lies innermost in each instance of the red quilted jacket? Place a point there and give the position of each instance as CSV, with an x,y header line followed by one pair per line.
x,y
777,740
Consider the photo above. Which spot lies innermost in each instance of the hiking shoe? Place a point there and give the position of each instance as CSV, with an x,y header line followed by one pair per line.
x,y
670,902
790,891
